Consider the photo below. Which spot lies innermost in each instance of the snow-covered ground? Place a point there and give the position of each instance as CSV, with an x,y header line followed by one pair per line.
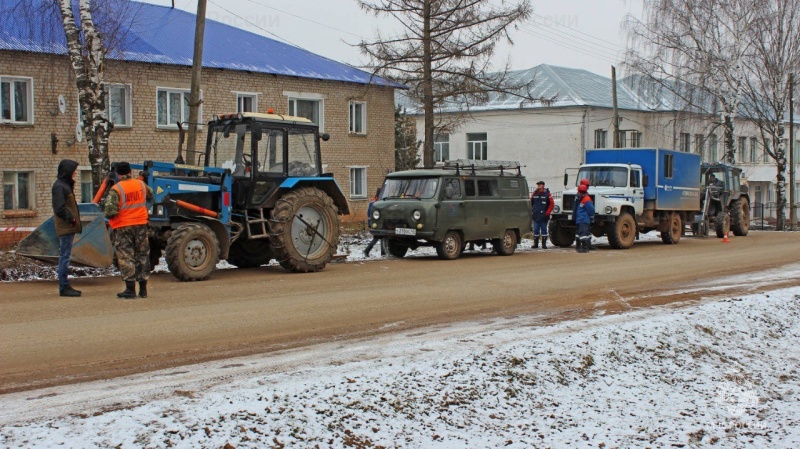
x,y
723,373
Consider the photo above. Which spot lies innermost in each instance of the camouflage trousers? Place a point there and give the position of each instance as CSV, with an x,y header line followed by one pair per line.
x,y
132,249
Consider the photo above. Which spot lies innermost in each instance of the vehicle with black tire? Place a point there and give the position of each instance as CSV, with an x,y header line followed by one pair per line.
x,y
725,201
256,193
460,203
634,190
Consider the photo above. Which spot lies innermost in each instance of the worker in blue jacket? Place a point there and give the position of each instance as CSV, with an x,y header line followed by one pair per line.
x,y
583,218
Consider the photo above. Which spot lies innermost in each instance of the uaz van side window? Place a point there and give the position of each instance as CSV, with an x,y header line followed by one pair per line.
x,y
487,187
452,188
469,187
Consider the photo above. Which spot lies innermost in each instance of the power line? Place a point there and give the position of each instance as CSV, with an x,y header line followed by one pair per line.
x,y
306,19
253,24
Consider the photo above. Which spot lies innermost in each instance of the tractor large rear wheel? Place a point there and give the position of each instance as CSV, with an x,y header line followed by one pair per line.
x,y
192,252
740,217
250,253
304,230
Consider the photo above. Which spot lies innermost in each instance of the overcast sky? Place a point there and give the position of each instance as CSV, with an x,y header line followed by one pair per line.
x,y
583,34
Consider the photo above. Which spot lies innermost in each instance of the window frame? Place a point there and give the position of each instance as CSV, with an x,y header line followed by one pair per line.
x,y
636,139
351,118
128,89
753,150
471,145
600,138
362,183
15,199
713,146
29,119
184,106
293,97
700,146
439,146
685,142
242,95
669,165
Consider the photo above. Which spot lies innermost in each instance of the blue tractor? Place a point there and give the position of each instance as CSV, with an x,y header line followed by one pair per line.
x,y
257,193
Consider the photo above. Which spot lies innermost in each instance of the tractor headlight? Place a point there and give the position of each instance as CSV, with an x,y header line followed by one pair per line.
x,y
376,214
416,215
157,210
556,209
608,210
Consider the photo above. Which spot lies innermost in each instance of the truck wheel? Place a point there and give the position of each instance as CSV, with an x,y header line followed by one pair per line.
x,y
192,252
304,230
396,248
740,217
450,247
673,235
722,225
249,253
561,236
622,232
507,245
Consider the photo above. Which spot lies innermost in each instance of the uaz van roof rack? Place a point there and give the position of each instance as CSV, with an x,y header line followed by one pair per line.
x,y
474,165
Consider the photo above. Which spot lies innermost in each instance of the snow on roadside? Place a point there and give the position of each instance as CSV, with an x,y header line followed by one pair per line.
x,y
720,374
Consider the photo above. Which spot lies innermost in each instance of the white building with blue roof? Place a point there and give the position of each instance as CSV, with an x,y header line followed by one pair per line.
x,y
548,138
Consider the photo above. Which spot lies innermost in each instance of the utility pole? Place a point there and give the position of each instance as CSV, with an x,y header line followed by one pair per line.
x,y
792,199
615,126
194,96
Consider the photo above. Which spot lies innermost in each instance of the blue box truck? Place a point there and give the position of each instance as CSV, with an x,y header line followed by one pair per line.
x,y
634,190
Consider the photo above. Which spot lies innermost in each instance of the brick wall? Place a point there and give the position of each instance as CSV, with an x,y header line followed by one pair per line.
x,y
28,147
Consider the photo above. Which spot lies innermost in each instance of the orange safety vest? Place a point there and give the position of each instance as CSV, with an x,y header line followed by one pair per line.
x,y
132,208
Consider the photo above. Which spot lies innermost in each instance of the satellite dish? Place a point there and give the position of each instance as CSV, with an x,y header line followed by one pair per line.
x,y
62,104
78,133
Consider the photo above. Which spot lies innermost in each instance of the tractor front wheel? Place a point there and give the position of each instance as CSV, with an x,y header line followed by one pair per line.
x,y
304,230
740,217
192,252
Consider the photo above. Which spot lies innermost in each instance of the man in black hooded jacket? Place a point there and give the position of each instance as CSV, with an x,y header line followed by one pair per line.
x,y
67,221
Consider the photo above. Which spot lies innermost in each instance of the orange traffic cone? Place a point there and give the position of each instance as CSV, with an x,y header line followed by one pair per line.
x,y
725,239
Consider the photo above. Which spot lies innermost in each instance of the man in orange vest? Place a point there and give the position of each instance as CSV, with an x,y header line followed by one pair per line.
x,y
126,211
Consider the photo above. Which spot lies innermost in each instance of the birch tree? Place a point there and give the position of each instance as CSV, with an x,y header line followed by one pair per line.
x,y
87,56
443,51
775,44
695,49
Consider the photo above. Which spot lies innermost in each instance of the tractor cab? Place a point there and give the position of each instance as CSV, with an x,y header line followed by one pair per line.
x,y
263,151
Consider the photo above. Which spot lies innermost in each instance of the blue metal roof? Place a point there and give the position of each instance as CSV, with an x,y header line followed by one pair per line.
x,y
163,35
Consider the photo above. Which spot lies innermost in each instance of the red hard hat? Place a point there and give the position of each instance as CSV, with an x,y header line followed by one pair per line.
x,y
582,188
585,182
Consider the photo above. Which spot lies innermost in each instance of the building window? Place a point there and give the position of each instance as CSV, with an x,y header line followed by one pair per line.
x,y
765,154
712,148
441,147
700,146
118,105
172,107
246,102
742,150
685,143
477,146
311,109
18,190
636,139
358,182
753,150
600,138
358,118
16,100
796,154
623,140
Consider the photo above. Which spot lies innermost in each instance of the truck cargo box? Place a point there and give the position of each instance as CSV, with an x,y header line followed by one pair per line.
x,y
673,176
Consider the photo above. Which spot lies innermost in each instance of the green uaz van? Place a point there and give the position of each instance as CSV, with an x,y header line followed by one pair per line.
x,y
461,202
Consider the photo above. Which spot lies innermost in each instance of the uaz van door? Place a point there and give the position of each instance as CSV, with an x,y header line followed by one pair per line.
x,y
451,213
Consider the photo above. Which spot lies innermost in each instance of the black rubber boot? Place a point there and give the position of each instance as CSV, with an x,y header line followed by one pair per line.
x,y
544,242
143,289
583,246
130,291
536,242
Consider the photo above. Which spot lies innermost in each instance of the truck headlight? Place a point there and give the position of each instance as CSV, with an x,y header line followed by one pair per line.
x,y
376,214
556,209
416,215
608,210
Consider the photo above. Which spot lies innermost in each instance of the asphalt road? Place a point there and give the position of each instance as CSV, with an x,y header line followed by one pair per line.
x,y
48,340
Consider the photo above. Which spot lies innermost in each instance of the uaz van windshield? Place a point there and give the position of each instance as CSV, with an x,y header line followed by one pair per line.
x,y
420,188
